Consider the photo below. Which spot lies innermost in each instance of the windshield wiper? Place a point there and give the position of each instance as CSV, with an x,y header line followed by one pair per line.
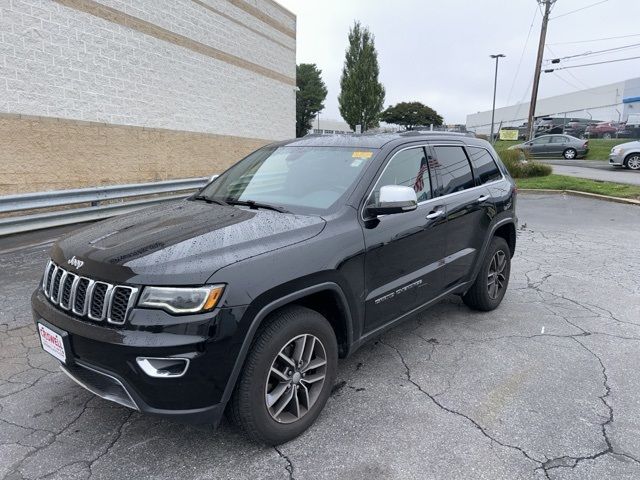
x,y
254,204
204,198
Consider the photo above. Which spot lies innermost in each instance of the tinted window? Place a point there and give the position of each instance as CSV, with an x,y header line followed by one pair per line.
x,y
541,141
408,168
484,166
558,139
453,169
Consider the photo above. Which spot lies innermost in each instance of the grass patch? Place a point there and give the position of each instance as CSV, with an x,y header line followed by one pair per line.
x,y
561,182
599,148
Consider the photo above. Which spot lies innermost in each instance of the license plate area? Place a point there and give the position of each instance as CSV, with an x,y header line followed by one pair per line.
x,y
54,341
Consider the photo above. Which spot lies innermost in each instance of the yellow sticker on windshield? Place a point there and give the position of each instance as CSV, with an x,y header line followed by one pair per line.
x,y
358,154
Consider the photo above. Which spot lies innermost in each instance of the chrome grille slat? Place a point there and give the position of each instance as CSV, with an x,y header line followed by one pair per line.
x,y
55,285
46,279
80,296
92,299
117,312
66,285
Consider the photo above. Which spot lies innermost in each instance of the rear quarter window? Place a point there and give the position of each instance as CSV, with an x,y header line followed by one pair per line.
x,y
484,166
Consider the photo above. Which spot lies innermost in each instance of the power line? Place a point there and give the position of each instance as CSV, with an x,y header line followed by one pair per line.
x,y
590,64
524,48
570,73
595,40
622,47
566,81
578,10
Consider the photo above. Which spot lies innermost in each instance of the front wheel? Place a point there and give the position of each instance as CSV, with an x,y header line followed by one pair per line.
x,y
570,153
287,377
633,162
490,285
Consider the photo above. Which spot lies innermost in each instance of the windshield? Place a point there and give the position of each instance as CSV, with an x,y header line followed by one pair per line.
x,y
298,179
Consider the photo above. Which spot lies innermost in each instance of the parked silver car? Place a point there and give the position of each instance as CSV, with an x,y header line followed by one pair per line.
x,y
626,155
554,146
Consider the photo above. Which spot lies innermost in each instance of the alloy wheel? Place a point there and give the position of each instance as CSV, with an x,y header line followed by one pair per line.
x,y
633,163
570,153
296,378
496,277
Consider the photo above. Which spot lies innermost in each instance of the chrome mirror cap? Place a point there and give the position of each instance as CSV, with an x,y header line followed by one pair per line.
x,y
394,199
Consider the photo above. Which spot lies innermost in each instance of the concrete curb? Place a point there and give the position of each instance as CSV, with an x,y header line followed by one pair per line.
x,y
597,196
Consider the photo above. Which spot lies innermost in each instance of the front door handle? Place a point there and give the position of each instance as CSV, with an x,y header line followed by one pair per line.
x,y
483,198
436,214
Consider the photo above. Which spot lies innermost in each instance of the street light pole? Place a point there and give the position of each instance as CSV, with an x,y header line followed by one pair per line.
x,y
495,84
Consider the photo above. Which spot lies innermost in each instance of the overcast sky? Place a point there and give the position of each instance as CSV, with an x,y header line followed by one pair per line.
x,y
437,52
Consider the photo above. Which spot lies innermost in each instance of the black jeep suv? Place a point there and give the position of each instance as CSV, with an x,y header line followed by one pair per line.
x,y
243,296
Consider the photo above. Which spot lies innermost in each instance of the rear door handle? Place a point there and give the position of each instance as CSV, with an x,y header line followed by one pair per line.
x,y
483,198
436,214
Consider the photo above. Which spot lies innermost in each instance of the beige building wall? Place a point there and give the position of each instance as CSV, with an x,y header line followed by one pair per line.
x,y
117,91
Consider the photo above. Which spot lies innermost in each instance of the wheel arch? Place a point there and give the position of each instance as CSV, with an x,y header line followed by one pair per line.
x,y
629,155
327,298
505,228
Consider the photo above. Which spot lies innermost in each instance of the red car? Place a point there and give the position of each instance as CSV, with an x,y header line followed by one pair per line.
x,y
603,130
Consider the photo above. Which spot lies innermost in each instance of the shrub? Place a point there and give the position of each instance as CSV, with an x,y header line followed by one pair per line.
x,y
520,167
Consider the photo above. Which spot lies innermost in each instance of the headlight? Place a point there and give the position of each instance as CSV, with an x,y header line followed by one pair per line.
x,y
616,151
181,299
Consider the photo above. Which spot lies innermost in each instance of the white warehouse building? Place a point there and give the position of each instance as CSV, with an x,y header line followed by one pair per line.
x,y
613,102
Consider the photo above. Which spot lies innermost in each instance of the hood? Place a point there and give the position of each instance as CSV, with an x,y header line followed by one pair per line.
x,y
633,144
179,243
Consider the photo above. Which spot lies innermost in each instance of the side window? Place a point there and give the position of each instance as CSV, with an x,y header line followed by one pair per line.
x,y
540,141
484,166
558,139
408,168
453,169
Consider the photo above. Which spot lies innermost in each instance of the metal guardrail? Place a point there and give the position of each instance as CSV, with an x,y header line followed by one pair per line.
x,y
93,196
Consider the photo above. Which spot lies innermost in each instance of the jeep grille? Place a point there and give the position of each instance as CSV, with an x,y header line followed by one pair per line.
x,y
87,298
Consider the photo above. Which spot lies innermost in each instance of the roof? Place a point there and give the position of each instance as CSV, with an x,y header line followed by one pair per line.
x,y
367,140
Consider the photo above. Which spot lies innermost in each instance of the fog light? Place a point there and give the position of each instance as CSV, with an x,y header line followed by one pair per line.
x,y
163,367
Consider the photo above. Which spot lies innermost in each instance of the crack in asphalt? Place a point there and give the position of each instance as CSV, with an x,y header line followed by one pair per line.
x,y
289,466
572,462
455,412
113,441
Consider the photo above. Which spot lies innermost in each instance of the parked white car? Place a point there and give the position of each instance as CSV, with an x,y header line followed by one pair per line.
x,y
626,155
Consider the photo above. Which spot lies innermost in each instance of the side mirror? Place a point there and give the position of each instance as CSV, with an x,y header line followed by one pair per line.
x,y
394,199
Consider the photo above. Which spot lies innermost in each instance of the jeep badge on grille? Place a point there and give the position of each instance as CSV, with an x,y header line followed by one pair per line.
x,y
74,262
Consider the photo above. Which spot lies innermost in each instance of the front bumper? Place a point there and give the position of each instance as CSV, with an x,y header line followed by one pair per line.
x,y
102,358
616,160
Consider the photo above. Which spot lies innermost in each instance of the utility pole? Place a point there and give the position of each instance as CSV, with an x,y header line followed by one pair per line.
x,y
495,84
536,75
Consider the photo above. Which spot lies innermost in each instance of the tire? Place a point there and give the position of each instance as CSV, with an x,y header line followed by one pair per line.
x,y
570,153
632,162
479,296
283,333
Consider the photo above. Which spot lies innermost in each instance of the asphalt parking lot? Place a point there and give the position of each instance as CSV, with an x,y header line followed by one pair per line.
x,y
547,386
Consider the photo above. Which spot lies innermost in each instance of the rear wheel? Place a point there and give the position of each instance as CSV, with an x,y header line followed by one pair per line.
x,y
489,288
287,377
570,153
632,162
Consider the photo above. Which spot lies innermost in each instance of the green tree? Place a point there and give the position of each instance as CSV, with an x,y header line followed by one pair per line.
x,y
361,94
410,115
310,96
